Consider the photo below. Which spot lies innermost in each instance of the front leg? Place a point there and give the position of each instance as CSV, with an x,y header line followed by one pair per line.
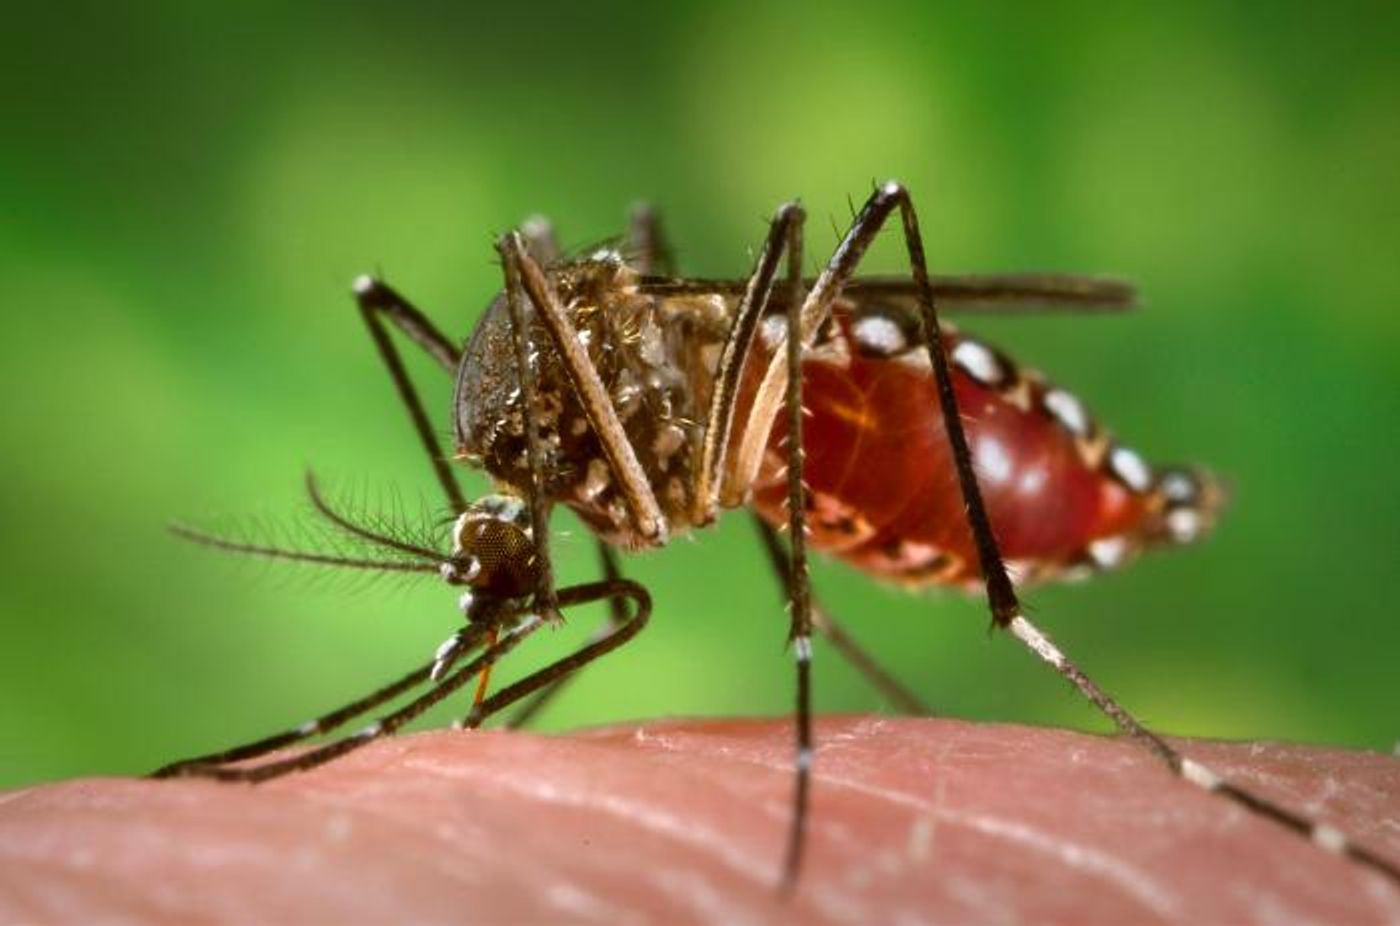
x,y
377,301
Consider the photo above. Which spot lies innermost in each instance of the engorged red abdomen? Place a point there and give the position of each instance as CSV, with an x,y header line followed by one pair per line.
x,y
884,494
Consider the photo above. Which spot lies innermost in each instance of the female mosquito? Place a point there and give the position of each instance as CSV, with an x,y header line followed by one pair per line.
x,y
648,403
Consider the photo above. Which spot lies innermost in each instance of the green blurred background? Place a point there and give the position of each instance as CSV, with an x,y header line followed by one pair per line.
x,y
186,195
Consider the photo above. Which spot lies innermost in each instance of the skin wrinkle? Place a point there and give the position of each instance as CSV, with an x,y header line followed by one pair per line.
x,y
250,854
752,867
1128,879
704,896
688,769
570,897
449,859
714,843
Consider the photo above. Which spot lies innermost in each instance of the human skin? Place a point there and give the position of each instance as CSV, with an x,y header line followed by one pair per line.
x,y
913,820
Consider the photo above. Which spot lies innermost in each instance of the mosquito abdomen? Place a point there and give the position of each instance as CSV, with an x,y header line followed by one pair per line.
x,y
1063,496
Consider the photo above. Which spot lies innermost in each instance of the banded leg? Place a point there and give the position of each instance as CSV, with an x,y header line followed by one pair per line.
x,y
799,582
322,724
894,691
215,768
784,241
217,765
651,254
1001,595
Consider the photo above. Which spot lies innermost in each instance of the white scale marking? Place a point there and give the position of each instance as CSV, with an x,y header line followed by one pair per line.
x,y
1184,524
1330,838
879,334
978,361
457,529
1130,468
596,479
802,648
1026,632
773,330
364,283
446,647
1068,411
1179,488
804,760
1108,552
993,462
1199,775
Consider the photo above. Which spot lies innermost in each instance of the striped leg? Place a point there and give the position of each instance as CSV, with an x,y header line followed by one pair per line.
x,y
1002,599
1328,837
512,630
1007,612
901,697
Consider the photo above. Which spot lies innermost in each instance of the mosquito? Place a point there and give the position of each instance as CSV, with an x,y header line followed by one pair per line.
x,y
648,403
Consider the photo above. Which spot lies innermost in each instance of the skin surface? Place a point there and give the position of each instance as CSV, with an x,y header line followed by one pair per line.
x,y
914,820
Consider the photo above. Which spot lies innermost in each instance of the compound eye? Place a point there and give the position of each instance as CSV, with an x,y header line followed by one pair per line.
x,y
509,565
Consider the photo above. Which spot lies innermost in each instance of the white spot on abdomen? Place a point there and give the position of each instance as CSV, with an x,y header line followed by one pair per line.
x,y
1108,552
1068,411
978,361
879,335
993,462
1130,468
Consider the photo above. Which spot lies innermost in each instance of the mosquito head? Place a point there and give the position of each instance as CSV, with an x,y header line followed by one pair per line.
x,y
492,550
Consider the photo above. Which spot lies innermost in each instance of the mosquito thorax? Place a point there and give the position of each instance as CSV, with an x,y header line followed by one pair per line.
x,y
656,358
493,552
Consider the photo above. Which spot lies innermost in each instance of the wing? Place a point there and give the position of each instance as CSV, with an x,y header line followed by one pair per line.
x,y
993,293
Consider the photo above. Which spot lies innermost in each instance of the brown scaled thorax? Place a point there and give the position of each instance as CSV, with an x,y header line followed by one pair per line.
x,y
655,355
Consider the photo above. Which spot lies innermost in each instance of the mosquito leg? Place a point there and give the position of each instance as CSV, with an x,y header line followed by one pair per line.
x,y
513,255
323,724
617,616
714,454
551,675
1325,836
202,765
385,725
799,582
1001,595
377,300
784,241
214,765
649,252
523,273
881,680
